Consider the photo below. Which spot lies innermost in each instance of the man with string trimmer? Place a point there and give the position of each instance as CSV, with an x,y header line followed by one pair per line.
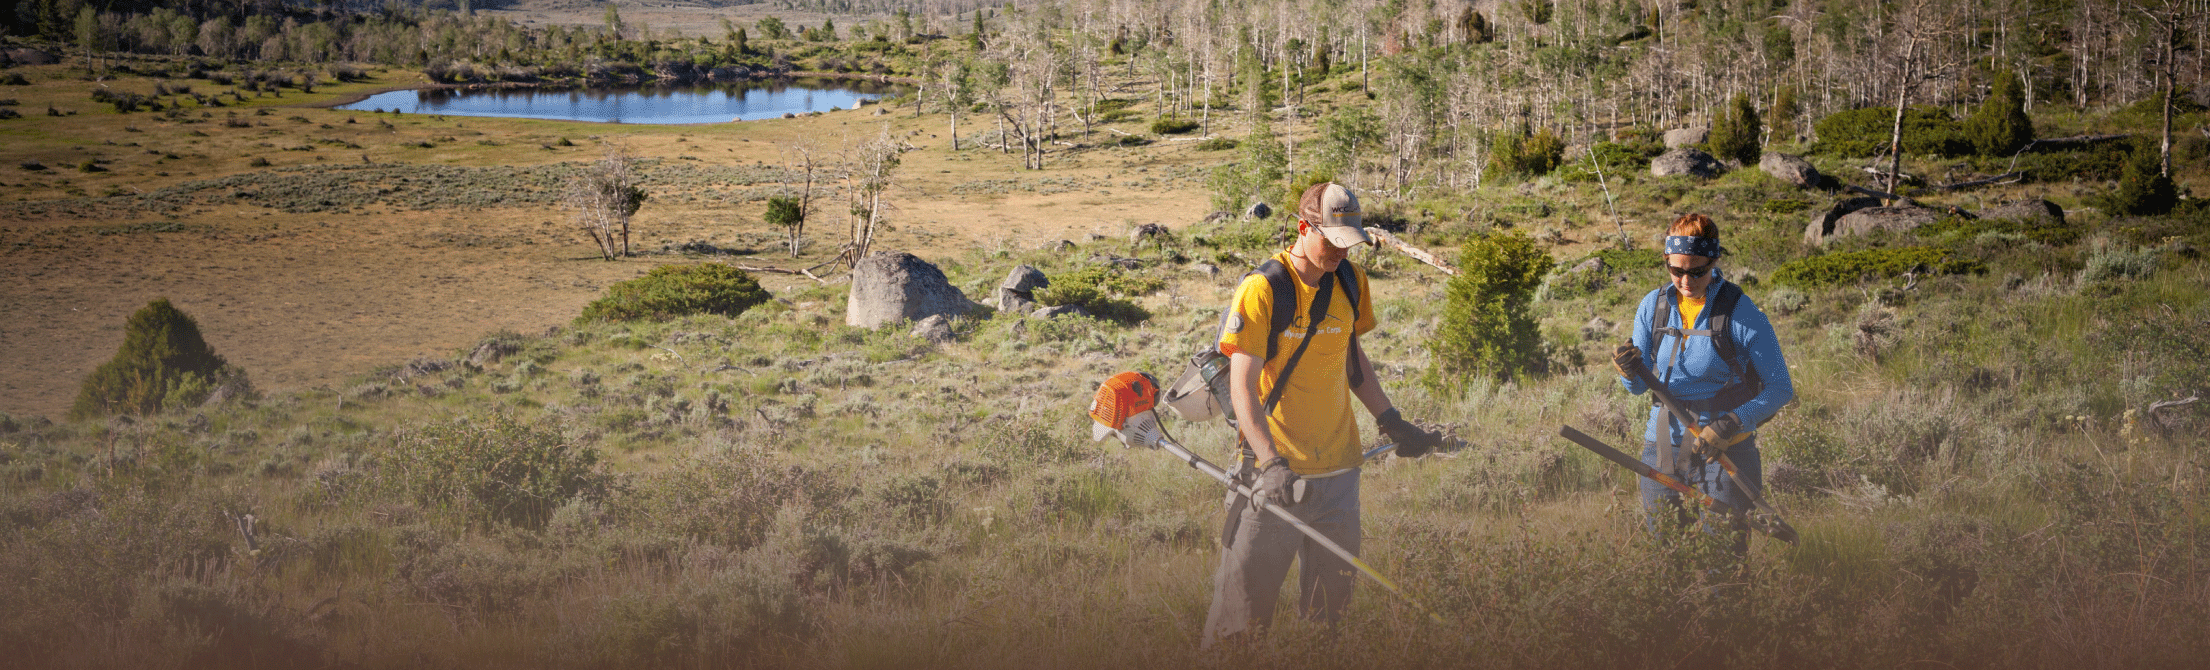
x,y
1290,336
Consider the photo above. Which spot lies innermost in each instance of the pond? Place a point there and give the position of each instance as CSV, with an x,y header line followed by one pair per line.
x,y
695,103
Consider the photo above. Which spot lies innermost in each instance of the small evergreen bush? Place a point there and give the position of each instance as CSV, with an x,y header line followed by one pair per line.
x,y
1487,326
1517,154
671,291
1857,133
2143,190
1172,126
2000,126
1102,291
1734,134
1849,267
164,363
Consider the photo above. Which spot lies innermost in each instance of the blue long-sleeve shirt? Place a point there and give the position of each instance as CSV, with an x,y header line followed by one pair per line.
x,y
1697,373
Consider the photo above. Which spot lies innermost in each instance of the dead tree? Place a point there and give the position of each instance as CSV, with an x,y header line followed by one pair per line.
x,y
603,196
874,167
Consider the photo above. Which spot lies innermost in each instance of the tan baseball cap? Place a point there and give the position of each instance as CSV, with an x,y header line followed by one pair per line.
x,y
1335,211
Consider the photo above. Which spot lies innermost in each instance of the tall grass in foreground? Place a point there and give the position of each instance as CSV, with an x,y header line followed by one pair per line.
x,y
1969,464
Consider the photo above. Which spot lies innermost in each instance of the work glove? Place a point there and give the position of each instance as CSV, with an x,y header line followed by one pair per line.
x,y
1274,483
1412,441
1718,435
1629,361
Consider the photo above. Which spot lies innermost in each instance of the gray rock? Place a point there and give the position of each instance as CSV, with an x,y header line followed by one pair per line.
x,y
28,56
1207,269
1063,246
1058,311
1597,326
1593,264
1147,231
1017,293
1822,223
1258,210
1870,219
490,352
1024,279
1118,261
1219,216
937,328
1681,137
1791,169
1686,161
2025,210
894,286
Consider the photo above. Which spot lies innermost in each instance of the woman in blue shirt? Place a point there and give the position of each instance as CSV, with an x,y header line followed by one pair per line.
x,y
1732,377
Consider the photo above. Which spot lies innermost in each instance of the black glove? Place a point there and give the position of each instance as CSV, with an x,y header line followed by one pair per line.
x,y
1629,361
1274,482
1719,434
1412,441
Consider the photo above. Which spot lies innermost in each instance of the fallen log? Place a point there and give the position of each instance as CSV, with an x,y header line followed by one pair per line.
x,y
1382,237
1883,195
1883,175
2004,178
2075,139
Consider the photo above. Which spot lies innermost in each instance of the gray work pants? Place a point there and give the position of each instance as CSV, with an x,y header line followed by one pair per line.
x,y
1257,559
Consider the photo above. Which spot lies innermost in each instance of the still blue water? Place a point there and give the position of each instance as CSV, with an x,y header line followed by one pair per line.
x,y
702,103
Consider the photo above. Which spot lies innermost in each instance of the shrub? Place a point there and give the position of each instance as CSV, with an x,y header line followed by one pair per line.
x,y
1172,126
495,468
1863,132
1218,144
1844,268
2107,262
2000,126
1262,163
671,291
163,363
1734,134
2143,190
1527,155
1617,159
1100,289
1487,328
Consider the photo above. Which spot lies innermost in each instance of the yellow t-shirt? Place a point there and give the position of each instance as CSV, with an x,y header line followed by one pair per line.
x,y
1690,307
1313,425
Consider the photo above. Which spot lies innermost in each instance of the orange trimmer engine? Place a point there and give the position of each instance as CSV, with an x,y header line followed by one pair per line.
x,y
1123,407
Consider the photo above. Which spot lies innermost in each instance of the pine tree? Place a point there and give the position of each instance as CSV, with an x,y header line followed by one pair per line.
x,y
2143,189
1734,134
1780,121
2000,126
163,363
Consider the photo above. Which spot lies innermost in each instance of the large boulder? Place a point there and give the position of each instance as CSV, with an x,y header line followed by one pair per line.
x,y
1056,311
1899,219
1822,223
1017,294
1258,210
1791,169
1686,137
894,286
1686,161
2025,210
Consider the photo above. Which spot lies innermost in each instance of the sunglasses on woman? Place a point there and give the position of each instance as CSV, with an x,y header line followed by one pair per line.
x,y
1691,273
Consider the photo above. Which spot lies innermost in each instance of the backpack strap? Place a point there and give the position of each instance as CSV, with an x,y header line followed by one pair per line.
x,y
1319,314
1346,276
1718,325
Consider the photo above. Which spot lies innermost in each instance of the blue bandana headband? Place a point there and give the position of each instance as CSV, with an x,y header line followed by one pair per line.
x,y
1693,246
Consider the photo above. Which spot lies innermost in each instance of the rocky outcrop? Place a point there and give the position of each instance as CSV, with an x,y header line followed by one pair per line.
x,y
1791,169
1686,137
1899,219
1686,161
1059,310
2025,210
894,286
1017,293
1822,223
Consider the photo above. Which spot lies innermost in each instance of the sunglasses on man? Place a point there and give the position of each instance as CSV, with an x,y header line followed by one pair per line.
x,y
1691,273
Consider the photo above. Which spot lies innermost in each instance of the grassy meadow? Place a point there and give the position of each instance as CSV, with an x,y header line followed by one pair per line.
x,y
1970,459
